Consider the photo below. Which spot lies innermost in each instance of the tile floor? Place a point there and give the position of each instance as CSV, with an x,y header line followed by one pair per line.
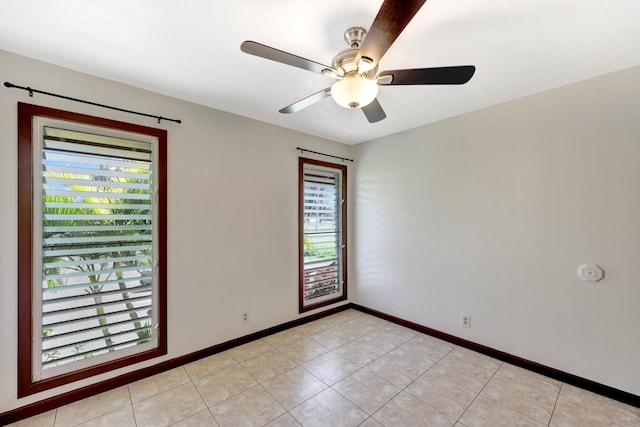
x,y
348,369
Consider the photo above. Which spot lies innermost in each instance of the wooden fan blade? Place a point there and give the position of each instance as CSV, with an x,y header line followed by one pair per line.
x,y
428,76
267,52
392,18
305,102
374,112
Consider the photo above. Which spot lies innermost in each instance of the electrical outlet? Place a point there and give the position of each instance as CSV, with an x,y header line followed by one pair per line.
x,y
465,320
245,317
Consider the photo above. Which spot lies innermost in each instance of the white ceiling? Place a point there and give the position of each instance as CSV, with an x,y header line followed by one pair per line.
x,y
190,49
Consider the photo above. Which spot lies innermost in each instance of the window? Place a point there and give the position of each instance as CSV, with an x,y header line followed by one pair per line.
x,y
91,251
323,245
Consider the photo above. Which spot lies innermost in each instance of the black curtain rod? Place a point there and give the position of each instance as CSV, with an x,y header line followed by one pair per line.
x,y
323,154
31,91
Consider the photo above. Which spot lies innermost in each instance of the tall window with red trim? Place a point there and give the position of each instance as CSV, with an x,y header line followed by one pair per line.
x,y
322,228
92,233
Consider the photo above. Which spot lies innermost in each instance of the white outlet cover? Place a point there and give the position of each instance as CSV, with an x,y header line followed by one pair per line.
x,y
465,320
591,272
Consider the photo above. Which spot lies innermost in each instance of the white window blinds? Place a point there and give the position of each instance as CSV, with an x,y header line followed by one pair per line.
x,y
97,240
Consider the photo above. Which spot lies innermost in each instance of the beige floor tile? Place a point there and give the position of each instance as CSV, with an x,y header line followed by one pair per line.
x,y
293,387
331,367
434,343
253,407
158,383
285,337
350,314
485,412
462,373
580,407
121,418
418,354
359,327
611,404
406,410
250,350
46,419
209,365
379,339
358,330
329,322
366,390
577,395
401,333
201,419
310,328
587,398
285,420
168,407
303,350
395,369
223,384
93,407
328,408
522,397
334,337
568,413
372,320
371,422
386,339
318,326
478,359
268,365
540,382
441,393
361,352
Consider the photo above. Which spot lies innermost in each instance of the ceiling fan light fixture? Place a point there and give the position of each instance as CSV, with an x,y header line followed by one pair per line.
x,y
354,91
356,68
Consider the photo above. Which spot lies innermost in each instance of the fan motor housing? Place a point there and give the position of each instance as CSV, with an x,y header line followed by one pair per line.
x,y
345,60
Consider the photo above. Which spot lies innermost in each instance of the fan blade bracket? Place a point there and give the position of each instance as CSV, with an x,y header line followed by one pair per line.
x,y
366,64
385,79
333,73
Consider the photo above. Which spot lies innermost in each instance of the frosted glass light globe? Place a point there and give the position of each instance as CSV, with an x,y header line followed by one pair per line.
x,y
354,91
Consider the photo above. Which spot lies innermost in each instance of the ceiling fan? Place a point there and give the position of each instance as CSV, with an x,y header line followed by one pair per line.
x,y
356,68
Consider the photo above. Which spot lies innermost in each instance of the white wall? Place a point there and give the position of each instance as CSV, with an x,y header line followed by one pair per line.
x,y
491,214
232,215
